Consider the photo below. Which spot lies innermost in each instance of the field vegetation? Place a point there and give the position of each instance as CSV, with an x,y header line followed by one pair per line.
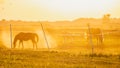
x,y
10,58
68,46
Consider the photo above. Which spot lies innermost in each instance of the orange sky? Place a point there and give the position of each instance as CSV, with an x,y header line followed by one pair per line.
x,y
53,10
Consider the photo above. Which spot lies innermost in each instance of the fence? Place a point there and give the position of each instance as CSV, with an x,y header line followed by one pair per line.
x,y
67,39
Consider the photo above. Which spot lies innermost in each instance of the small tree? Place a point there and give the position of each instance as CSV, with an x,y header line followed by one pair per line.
x,y
106,18
3,20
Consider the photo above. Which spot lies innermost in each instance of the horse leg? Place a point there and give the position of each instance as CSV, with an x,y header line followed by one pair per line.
x,y
36,44
101,41
33,44
19,44
98,41
22,45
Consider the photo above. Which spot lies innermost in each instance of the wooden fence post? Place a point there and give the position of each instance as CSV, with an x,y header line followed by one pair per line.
x,y
90,36
45,36
11,35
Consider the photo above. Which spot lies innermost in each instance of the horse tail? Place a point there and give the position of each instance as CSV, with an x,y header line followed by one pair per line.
x,y
37,37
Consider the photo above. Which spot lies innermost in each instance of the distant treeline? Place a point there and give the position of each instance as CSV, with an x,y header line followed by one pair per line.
x,y
85,20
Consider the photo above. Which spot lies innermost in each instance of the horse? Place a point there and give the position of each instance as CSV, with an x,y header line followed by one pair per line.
x,y
25,37
95,33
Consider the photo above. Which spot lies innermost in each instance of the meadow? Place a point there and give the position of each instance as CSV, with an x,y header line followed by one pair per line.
x,y
55,59
68,46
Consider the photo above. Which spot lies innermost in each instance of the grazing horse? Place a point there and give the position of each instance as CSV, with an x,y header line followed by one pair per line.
x,y
25,37
94,33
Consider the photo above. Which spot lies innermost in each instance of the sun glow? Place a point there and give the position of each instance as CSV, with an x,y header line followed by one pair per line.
x,y
4,40
78,5
74,5
58,9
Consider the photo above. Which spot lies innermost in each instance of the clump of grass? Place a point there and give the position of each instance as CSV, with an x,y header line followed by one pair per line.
x,y
99,55
2,46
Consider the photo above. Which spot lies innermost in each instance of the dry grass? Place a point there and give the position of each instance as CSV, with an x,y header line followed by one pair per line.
x,y
55,59
69,53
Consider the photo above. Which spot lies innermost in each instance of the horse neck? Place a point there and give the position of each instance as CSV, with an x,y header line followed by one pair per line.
x,y
15,40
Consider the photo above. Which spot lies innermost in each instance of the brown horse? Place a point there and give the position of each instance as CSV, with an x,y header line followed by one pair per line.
x,y
95,33
25,37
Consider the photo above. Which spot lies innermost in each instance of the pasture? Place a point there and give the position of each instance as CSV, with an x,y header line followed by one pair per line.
x,y
55,59
68,47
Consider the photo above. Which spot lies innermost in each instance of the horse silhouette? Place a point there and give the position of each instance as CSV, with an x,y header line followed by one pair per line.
x,y
25,37
95,33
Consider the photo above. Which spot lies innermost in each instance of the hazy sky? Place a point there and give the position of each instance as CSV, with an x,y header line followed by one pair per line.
x,y
57,9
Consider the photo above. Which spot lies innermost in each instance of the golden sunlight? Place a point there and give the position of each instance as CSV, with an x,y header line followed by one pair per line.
x,y
58,9
1,1
76,8
4,40
78,5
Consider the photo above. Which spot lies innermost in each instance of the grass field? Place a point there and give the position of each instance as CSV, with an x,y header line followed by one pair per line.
x,y
11,58
68,47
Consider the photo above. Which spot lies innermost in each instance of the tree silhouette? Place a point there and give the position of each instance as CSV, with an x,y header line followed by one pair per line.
x,y
106,18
